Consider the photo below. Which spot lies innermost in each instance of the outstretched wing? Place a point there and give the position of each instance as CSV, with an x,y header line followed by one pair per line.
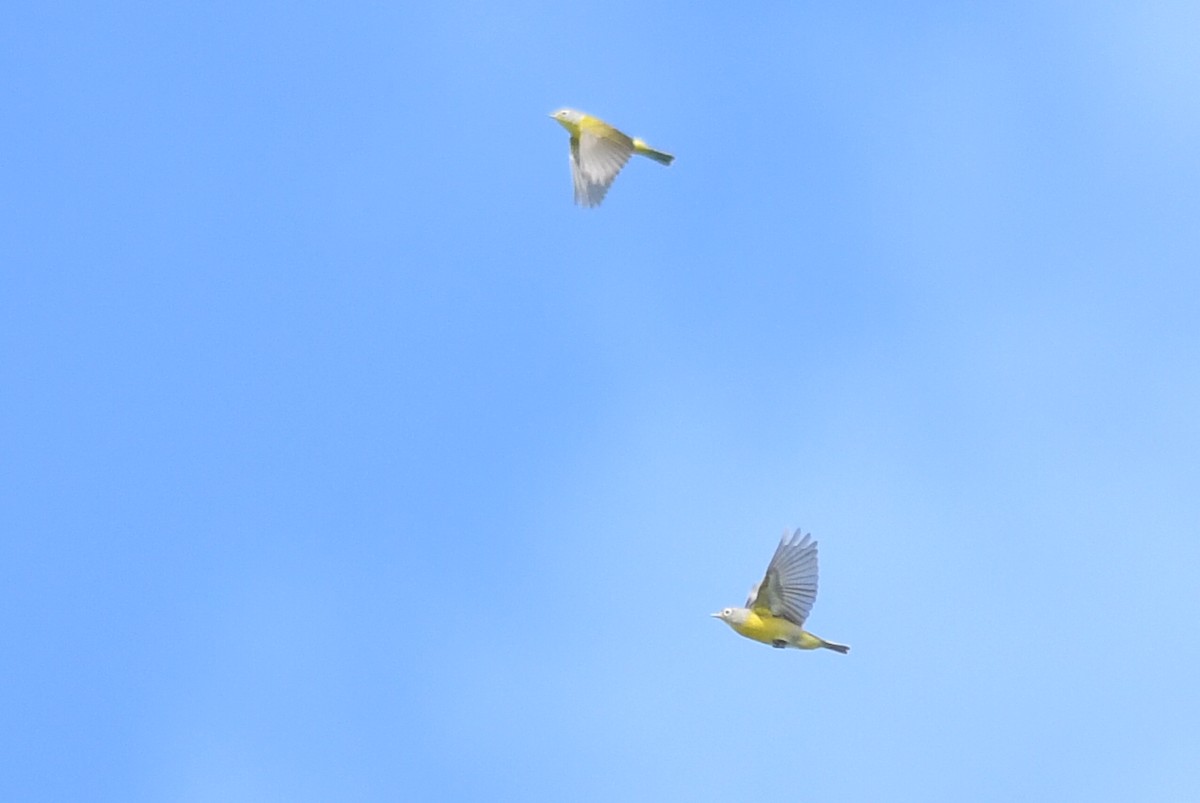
x,y
596,159
790,586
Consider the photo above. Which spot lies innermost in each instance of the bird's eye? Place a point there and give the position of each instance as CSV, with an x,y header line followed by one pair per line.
x,y
727,612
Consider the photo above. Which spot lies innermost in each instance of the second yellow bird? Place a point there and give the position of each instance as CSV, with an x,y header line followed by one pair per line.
x,y
598,152
777,607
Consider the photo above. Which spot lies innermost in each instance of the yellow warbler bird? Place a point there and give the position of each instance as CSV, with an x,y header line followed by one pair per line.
x,y
777,607
598,152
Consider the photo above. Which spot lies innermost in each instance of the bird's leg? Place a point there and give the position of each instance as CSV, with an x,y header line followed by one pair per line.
x,y
779,644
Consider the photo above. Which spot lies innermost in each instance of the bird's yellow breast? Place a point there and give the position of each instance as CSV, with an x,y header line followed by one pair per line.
x,y
767,628
567,124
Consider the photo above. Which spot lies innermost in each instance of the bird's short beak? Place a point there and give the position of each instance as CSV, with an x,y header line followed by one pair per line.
x,y
717,615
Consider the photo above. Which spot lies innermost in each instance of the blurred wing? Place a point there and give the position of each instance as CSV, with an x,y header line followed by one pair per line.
x,y
595,162
753,595
790,585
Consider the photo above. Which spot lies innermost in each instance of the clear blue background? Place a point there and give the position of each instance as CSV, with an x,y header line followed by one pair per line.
x,y
345,459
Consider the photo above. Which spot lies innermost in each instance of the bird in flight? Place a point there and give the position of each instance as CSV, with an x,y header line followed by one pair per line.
x,y
598,152
777,607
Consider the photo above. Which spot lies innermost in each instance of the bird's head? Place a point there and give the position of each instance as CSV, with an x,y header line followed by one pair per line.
x,y
568,119
731,616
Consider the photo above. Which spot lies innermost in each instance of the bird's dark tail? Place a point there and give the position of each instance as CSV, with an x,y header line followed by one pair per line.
x,y
829,645
662,158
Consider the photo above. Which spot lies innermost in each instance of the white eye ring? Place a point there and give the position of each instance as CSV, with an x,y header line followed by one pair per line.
x,y
727,612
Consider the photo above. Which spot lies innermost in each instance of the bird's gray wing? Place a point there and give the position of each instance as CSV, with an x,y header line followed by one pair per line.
x,y
790,585
595,163
753,595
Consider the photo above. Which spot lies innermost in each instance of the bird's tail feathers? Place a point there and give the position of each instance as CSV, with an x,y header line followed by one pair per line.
x,y
645,150
829,645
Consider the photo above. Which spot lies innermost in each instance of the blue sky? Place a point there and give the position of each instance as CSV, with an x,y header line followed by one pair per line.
x,y
345,459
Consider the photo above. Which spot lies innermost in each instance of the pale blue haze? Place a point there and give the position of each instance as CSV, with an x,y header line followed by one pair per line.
x,y
343,458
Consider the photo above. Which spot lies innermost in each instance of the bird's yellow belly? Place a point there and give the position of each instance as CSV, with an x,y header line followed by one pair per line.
x,y
770,630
